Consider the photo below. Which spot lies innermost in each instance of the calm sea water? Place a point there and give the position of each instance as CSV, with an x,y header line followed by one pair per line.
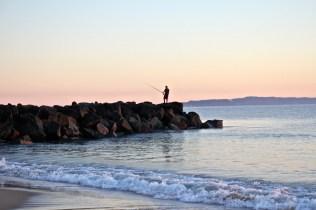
x,y
264,158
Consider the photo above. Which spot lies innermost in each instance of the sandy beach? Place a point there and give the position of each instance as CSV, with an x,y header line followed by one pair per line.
x,y
86,198
12,198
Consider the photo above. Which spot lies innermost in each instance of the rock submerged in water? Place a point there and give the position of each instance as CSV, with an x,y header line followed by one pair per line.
x,y
28,123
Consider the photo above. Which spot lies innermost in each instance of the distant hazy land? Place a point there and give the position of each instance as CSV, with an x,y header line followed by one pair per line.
x,y
252,100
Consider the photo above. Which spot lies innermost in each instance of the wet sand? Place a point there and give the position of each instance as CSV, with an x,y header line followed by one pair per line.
x,y
29,199
20,194
12,198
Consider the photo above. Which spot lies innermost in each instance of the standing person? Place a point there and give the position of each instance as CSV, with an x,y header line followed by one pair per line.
x,y
166,94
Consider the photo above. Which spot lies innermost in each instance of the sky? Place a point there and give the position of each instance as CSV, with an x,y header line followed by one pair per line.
x,y
56,52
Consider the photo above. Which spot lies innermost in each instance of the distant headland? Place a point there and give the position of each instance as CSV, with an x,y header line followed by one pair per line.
x,y
252,100
26,124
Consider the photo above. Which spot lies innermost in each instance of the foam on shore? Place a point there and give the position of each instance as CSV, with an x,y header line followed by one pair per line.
x,y
171,186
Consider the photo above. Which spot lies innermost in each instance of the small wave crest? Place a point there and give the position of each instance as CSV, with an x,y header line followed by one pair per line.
x,y
167,185
3,163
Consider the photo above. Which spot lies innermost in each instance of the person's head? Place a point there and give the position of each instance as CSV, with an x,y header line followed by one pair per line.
x,y
166,87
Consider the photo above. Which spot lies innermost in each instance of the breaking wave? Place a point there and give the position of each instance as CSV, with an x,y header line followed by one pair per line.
x,y
168,185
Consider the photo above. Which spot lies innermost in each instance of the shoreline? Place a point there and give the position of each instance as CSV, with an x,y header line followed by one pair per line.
x,y
12,198
19,197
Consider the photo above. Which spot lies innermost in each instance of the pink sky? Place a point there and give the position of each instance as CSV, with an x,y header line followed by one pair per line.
x,y
56,53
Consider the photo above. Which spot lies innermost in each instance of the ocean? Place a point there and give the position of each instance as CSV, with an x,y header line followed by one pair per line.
x,y
263,158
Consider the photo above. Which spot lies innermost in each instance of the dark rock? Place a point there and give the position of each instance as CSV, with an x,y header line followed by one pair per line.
x,y
70,127
161,113
175,106
94,120
46,113
114,129
14,134
173,127
29,124
168,116
213,124
106,123
156,124
146,127
180,121
147,110
6,129
52,130
109,111
28,109
26,139
194,120
102,129
135,123
90,119
91,133
124,126
85,108
72,111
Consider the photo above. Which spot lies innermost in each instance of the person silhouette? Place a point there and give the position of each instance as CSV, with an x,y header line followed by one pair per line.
x,y
166,94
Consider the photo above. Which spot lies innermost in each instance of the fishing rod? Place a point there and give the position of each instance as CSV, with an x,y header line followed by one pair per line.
x,y
155,88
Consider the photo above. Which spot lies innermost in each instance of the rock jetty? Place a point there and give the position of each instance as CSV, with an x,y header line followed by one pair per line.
x,y
26,124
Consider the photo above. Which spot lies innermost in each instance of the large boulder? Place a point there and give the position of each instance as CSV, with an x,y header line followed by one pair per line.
x,y
47,113
101,110
168,116
128,109
26,139
6,130
194,120
52,130
213,124
175,106
90,120
146,127
147,110
110,112
156,124
7,112
85,108
114,129
70,127
135,122
27,109
124,126
6,122
161,113
29,124
72,111
102,129
91,133
180,121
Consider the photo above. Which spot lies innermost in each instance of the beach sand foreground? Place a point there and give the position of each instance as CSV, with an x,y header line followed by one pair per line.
x,y
29,199
11,198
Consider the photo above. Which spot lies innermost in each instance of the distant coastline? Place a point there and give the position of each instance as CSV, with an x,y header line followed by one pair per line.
x,y
252,100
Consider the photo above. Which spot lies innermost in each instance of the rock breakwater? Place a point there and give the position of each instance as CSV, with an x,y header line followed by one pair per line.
x,y
26,124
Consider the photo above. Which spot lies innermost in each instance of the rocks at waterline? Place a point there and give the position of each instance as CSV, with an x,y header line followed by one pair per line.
x,y
28,123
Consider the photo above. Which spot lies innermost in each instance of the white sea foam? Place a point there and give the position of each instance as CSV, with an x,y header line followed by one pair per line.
x,y
172,186
3,163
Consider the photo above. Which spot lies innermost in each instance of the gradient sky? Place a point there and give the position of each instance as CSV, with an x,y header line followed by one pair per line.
x,y
55,52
